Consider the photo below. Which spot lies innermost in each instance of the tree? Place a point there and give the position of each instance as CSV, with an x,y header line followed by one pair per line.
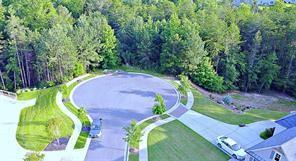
x,y
54,128
34,156
133,134
268,71
159,107
95,42
74,6
35,14
183,49
206,77
57,54
184,84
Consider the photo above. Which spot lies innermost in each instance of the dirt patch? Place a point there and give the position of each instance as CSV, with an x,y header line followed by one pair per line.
x,y
243,101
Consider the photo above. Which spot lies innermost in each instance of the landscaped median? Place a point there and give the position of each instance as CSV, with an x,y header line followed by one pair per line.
x,y
80,113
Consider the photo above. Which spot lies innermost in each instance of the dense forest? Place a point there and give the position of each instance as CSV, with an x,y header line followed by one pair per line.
x,y
218,46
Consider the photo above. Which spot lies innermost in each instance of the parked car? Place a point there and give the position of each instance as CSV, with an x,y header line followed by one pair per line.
x,y
96,129
231,147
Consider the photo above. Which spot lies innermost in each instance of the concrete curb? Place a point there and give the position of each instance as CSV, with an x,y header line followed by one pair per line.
x,y
76,79
76,121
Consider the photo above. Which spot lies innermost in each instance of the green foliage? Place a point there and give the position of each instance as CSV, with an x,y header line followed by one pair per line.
x,y
183,49
74,6
159,108
79,69
133,134
36,14
53,128
185,84
206,77
34,156
267,133
34,120
245,47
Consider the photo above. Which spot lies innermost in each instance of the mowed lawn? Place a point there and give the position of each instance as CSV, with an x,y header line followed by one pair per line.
x,y
31,132
175,142
209,108
28,95
142,126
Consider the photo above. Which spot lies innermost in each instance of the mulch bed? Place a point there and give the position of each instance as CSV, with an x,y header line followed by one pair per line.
x,y
53,146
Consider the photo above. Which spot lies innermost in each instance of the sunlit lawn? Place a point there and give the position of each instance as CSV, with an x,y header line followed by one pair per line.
x,y
31,132
142,126
176,142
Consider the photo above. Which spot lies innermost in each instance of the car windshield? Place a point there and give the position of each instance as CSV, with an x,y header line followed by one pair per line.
x,y
236,147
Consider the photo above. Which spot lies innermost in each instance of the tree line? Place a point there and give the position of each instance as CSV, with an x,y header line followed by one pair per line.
x,y
217,45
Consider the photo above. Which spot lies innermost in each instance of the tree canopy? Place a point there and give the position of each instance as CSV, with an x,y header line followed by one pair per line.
x,y
216,45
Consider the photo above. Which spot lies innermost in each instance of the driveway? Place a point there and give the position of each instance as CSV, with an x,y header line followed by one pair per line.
x,y
210,129
118,99
9,116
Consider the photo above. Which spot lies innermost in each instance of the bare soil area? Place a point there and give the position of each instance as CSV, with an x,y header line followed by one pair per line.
x,y
242,100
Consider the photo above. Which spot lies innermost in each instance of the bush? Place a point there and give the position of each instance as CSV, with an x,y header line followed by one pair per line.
x,y
133,134
185,84
159,108
267,133
34,157
206,77
79,69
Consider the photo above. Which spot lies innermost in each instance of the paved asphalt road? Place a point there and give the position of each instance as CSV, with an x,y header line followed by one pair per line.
x,y
118,99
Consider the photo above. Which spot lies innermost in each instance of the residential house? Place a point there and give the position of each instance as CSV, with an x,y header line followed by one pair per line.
x,y
280,147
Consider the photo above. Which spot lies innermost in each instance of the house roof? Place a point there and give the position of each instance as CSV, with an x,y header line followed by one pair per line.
x,y
276,140
288,121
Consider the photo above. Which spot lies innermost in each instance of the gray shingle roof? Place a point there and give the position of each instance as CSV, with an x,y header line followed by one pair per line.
x,y
276,140
288,121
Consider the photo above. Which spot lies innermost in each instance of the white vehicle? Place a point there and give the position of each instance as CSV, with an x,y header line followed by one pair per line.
x,y
231,147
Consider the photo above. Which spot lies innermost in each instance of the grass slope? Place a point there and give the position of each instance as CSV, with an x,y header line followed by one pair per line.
x,y
174,142
31,132
207,107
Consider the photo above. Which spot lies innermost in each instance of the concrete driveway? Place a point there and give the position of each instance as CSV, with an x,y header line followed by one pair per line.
x,y
118,99
210,129
9,117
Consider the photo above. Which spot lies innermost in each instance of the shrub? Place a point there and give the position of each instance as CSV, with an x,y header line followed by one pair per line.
x,y
159,108
228,99
206,77
267,133
133,134
34,157
185,84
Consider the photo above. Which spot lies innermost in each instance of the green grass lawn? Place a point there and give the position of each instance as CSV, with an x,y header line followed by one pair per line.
x,y
175,142
207,107
142,126
83,118
31,131
28,95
